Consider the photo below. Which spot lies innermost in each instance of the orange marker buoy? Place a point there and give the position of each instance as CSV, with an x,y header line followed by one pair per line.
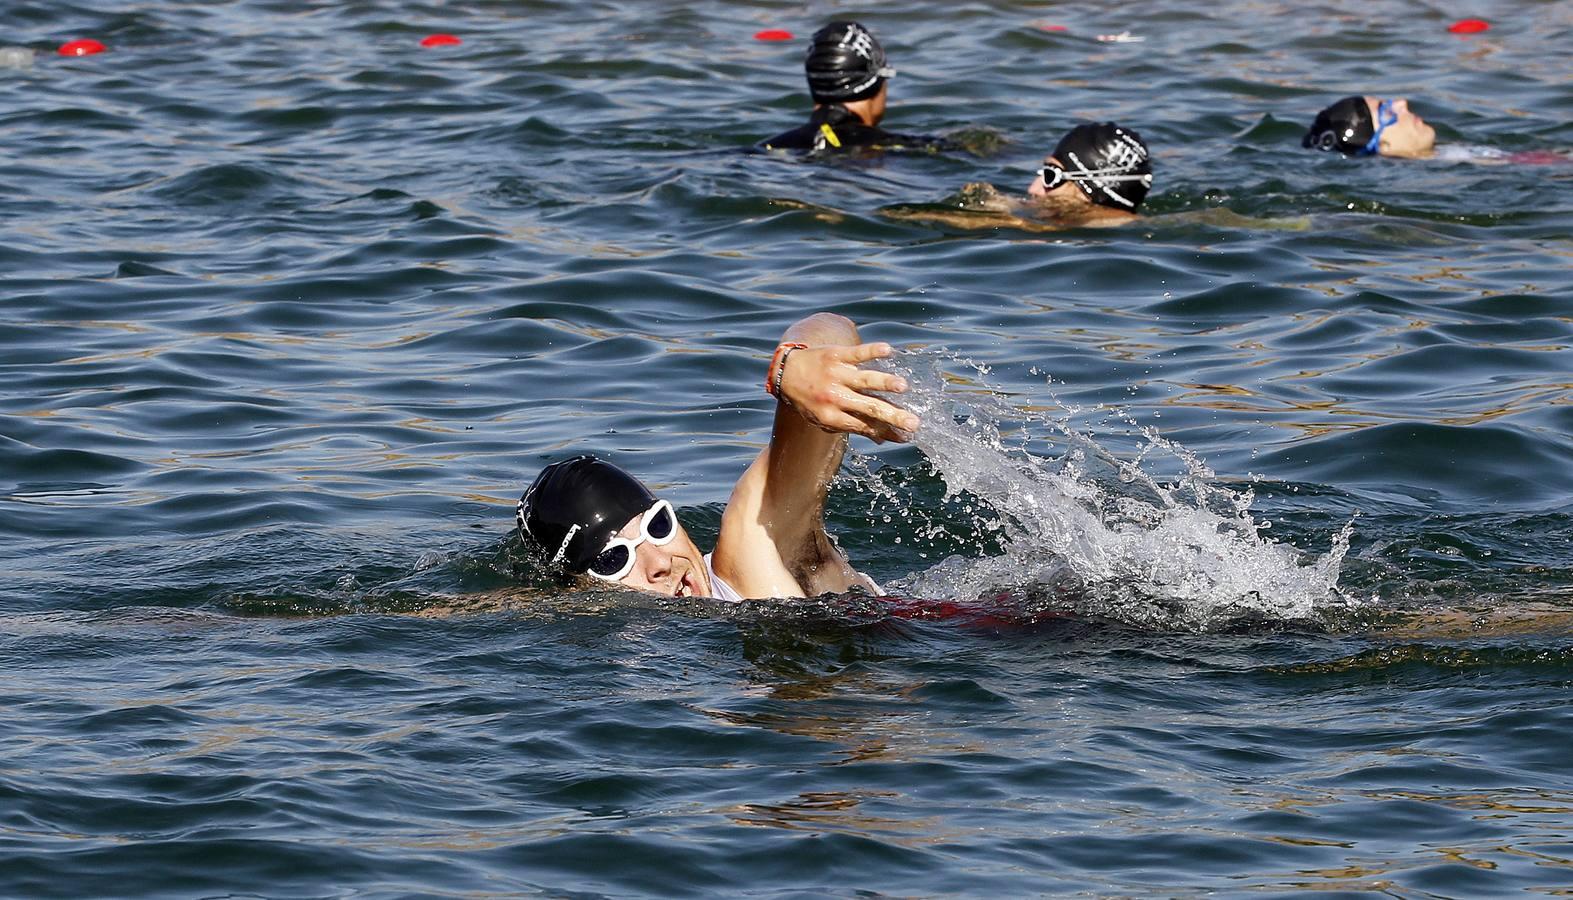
x,y
440,40
82,47
1469,26
772,34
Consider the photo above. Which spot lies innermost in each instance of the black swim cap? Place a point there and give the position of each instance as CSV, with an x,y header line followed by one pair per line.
x,y
845,64
1109,163
1345,126
576,505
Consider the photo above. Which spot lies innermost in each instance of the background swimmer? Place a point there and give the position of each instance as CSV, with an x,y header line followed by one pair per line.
x,y
1097,176
848,77
1371,126
1101,172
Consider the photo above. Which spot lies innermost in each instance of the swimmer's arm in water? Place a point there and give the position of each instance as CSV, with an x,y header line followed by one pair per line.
x,y
973,220
985,197
773,541
977,205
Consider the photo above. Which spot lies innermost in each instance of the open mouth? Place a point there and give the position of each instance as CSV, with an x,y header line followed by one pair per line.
x,y
685,585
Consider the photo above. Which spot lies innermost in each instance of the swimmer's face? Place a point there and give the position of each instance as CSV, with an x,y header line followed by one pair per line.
x,y
673,569
1064,192
1410,136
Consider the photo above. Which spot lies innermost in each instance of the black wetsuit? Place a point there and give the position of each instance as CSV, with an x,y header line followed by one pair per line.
x,y
832,128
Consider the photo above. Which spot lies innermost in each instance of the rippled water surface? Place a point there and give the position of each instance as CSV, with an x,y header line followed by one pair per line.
x,y
294,308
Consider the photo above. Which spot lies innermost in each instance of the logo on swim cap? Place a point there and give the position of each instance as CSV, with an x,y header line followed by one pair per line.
x,y
845,64
1345,126
575,506
1108,162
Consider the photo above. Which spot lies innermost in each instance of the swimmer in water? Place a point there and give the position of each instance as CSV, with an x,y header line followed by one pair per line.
x,y
1097,176
848,78
589,518
1371,126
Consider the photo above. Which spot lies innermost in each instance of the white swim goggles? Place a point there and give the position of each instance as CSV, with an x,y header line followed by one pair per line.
x,y
658,525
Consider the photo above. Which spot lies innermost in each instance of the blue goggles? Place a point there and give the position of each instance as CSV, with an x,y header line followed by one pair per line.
x,y
1385,116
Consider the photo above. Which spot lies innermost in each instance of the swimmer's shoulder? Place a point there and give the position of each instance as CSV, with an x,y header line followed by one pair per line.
x,y
799,138
841,136
914,143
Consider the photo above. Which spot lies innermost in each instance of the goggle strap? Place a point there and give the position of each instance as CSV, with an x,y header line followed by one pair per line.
x,y
1098,176
1090,174
1112,174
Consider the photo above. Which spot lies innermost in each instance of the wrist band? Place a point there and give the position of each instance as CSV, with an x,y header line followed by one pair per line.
x,y
778,366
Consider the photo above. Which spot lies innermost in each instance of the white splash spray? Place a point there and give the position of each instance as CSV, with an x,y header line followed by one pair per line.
x,y
1186,551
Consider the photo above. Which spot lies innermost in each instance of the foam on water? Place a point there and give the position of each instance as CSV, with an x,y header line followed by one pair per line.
x,y
1185,551
16,58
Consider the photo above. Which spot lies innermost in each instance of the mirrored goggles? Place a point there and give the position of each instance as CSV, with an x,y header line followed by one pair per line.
x,y
658,525
1385,116
1053,176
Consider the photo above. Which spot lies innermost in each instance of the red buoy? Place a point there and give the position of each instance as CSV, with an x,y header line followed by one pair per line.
x,y
82,47
1469,26
772,34
440,40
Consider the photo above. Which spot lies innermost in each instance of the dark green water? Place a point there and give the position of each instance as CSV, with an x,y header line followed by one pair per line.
x,y
293,309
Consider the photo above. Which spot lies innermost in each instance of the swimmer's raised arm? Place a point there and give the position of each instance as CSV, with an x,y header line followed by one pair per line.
x,y
773,540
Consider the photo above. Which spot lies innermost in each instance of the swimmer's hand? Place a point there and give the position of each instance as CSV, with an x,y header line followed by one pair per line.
x,y
826,387
982,196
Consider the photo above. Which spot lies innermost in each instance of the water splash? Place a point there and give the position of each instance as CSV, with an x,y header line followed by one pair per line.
x,y
1080,522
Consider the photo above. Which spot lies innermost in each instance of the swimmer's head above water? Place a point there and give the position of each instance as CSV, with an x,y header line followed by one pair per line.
x,y
846,66
590,517
845,63
1100,164
1370,126
587,517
